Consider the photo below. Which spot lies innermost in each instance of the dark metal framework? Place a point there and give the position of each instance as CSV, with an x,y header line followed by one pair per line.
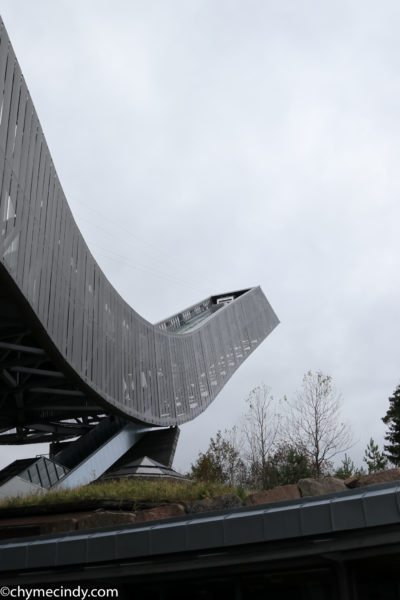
x,y
71,349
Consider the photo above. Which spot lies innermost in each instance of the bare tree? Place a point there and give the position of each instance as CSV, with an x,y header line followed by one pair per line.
x,y
314,423
260,432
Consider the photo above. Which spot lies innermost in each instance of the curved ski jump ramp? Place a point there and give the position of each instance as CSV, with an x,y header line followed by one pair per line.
x,y
60,318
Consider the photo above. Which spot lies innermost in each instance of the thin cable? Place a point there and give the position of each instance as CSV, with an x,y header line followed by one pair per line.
x,y
154,253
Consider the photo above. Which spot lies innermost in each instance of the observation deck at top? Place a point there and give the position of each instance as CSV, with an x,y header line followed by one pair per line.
x,y
71,349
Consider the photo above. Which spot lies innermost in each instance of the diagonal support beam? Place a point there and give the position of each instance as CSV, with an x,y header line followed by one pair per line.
x,y
9,379
20,348
57,392
41,372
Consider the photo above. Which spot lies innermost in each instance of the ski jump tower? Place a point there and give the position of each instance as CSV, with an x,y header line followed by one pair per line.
x,y
79,368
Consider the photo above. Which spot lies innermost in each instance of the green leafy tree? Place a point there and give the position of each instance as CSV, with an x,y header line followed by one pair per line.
x,y
206,469
392,420
290,463
347,468
374,459
221,463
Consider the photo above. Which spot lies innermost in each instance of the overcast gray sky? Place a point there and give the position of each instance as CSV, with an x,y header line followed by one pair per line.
x,y
206,146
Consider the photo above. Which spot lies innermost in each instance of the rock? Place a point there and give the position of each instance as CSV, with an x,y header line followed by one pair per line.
x,y
34,526
60,525
165,511
319,487
77,506
226,502
351,482
373,478
95,520
276,494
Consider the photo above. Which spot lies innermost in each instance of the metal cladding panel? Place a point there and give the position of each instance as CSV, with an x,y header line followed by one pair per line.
x,y
361,515
148,373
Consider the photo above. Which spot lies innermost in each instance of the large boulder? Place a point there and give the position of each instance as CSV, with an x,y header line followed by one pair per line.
x,y
280,493
319,487
99,519
227,502
164,511
43,525
373,478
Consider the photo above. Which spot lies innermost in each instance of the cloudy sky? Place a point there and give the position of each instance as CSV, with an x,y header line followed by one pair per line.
x,y
206,146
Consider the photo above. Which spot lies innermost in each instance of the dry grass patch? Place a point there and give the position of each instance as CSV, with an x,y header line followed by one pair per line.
x,y
126,490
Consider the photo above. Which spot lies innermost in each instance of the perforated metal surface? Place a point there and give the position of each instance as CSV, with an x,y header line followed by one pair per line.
x,y
149,373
